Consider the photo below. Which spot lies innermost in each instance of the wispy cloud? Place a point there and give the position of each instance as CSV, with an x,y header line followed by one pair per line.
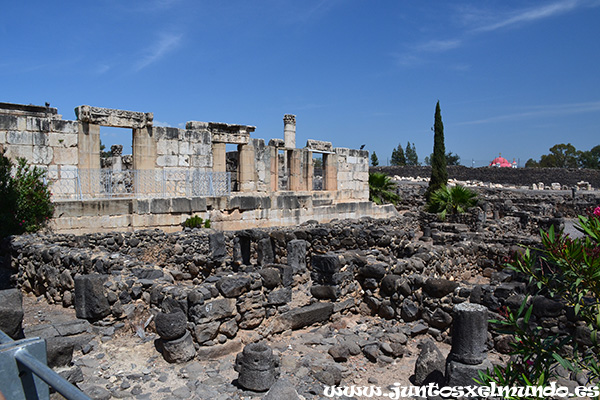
x,y
166,43
436,46
478,21
540,111
531,15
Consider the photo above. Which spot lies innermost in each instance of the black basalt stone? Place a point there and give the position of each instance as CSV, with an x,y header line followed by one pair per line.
x,y
90,300
170,326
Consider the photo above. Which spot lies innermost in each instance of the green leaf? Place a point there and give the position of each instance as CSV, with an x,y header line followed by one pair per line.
x,y
528,314
565,364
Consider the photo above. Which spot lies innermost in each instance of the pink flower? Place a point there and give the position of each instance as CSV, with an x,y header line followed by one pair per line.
x,y
597,211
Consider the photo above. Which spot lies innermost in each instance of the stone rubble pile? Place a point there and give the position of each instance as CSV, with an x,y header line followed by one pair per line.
x,y
201,290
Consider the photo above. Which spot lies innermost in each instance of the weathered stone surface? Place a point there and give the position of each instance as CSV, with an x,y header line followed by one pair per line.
x,y
207,331
544,307
376,271
469,333
282,390
459,374
279,297
179,350
339,352
170,326
287,274
430,365
327,374
229,328
438,287
438,319
409,310
11,312
264,252
213,310
390,284
59,351
234,286
296,255
325,292
271,277
319,145
90,300
258,368
113,117
216,242
308,315
325,268
218,351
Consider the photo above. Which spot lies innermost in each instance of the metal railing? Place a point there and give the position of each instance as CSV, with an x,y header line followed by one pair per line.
x,y
82,184
24,374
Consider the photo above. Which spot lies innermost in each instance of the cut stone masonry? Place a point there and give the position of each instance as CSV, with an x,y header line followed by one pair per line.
x,y
70,152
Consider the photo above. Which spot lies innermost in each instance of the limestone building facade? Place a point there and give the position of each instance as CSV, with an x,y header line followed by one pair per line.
x,y
174,162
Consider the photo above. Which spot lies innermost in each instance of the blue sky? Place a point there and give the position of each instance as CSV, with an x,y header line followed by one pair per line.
x,y
512,77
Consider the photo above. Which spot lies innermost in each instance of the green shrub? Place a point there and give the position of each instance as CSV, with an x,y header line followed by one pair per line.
x,y
451,200
196,222
567,270
25,199
382,189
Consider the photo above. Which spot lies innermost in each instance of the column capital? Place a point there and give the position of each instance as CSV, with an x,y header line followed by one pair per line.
x,y
289,119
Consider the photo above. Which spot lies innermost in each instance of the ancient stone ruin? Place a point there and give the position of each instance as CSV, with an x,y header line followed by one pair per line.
x,y
332,296
333,301
174,173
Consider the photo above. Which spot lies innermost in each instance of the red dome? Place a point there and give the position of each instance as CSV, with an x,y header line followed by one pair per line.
x,y
500,162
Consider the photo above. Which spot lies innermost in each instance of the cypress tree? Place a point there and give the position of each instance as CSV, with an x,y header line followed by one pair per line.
x,y
374,159
398,157
439,173
411,154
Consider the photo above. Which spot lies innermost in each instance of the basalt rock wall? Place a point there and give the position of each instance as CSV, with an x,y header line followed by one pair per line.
x,y
512,176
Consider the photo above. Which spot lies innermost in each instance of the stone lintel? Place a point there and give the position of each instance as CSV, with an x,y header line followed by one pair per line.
x,y
222,132
28,110
196,125
115,118
278,143
319,146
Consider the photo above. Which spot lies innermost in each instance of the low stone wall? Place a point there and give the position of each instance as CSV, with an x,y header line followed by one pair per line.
x,y
412,269
265,279
226,213
512,176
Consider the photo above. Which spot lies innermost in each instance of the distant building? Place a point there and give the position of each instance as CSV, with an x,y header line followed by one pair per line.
x,y
501,162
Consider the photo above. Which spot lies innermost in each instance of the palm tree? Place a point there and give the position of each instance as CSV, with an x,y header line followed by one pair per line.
x,y
451,200
382,189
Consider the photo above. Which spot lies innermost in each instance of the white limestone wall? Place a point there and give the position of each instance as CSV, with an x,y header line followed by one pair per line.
x,y
353,173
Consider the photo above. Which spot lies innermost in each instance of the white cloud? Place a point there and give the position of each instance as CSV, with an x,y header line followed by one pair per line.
x,y
540,111
531,15
477,21
164,45
436,46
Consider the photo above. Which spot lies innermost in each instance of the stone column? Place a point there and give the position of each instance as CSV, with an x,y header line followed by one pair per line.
x,y
469,353
89,157
289,131
274,169
295,170
329,172
144,149
257,366
308,170
247,168
219,157
116,151
144,159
